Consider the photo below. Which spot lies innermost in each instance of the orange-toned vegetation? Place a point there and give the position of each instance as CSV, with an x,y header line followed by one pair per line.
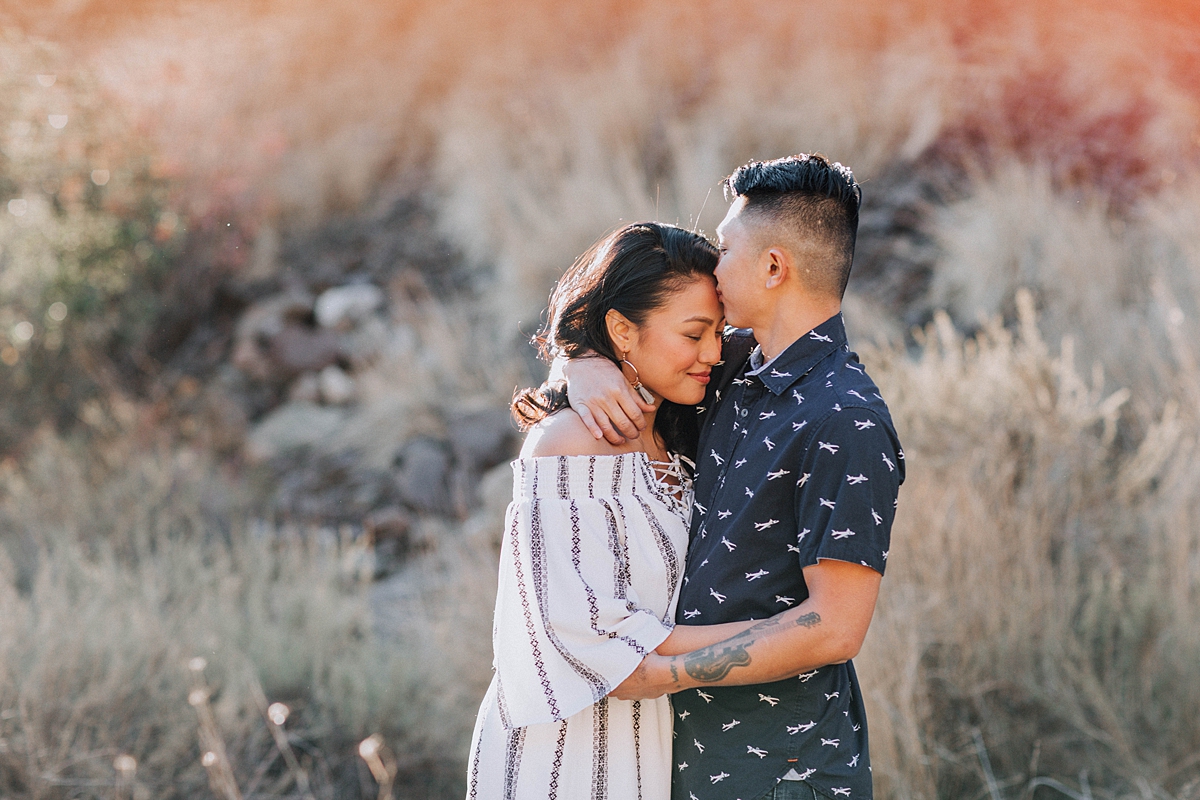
x,y
201,445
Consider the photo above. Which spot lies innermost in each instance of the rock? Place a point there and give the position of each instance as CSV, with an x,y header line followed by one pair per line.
x,y
331,489
291,427
482,439
347,305
306,389
390,534
337,388
300,349
423,478
266,319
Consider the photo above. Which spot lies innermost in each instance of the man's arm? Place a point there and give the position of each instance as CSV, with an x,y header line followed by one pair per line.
x,y
827,628
602,398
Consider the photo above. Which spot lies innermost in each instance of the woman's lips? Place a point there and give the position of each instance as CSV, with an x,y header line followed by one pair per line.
x,y
701,377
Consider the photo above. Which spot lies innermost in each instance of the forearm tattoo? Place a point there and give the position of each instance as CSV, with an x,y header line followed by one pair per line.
x,y
674,673
711,664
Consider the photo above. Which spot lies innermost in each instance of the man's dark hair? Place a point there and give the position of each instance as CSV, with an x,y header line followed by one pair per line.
x,y
810,197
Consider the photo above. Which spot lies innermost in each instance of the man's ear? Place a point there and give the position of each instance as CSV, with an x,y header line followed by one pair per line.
x,y
621,332
779,267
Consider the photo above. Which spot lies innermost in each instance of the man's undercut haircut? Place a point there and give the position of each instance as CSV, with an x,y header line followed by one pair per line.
x,y
814,200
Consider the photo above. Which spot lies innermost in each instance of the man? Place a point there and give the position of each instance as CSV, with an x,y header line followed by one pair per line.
x,y
797,476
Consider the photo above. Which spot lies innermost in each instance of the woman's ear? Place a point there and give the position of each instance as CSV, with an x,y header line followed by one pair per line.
x,y
621,332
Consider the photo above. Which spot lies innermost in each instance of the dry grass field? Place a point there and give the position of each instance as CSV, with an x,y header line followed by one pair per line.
x,y
1027,296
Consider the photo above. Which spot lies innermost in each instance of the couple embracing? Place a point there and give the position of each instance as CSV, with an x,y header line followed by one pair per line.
x,y
677,610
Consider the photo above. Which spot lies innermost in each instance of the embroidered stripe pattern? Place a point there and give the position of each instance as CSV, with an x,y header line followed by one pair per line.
x,y
538,554
600,750
665,548
556,767
512,762
637,743
529,626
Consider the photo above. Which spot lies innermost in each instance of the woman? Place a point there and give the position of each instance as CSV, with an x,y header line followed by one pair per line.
x,y
596,534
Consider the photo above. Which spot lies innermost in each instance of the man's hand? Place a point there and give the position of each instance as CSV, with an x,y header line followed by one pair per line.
x,y
651,679
604,400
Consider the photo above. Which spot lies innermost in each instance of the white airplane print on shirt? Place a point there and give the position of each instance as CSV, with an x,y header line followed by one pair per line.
x,y
855,367
832,448
728,726
804,479
830,504
777,374
748,492
816,337
863,424
699,508
855,480
852,763
753,576
891,467
766,698
767,441
856,394
716,457
699,746
846,534
875,516
756,751
787,601
708,698
765,415
800,536
682,767
725,514
840,791
805,728
739,463
798,425
778,474
762,526
719,777
691,614
807,676
684,714
720,597
808,773
728,544
831,742
799,397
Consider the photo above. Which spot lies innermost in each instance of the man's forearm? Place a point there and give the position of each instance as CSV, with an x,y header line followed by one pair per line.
x,y
778,648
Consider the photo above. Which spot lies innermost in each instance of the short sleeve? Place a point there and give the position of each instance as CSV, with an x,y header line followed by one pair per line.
x,y
846,500
568,626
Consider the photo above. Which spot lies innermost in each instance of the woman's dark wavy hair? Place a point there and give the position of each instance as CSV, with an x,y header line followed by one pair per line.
x,y
634,271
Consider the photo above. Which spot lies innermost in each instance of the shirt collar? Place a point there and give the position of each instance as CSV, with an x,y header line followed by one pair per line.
x,y
801,355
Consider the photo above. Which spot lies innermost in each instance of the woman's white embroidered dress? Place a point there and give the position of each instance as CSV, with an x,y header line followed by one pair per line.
x,y
589,576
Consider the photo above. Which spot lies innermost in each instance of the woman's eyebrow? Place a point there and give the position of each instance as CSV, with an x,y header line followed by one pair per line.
x,y
705,320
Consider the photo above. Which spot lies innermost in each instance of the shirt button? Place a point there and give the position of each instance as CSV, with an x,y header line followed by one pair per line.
x,y
744,412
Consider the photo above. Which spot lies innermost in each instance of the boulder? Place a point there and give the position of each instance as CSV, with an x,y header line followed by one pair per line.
x,y
344,306
337,388
423,475
291,427
298,348
482,439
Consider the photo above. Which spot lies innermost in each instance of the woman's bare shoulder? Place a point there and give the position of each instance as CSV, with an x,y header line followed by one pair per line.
x,y
564,434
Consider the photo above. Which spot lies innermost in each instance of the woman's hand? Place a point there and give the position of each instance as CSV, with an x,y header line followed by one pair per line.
x,y
651,679
604,400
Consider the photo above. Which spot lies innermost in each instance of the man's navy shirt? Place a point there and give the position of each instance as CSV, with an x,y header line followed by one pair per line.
x,y
796,463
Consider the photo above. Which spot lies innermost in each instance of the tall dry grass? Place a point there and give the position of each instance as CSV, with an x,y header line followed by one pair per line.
x,y
113,582
1035,637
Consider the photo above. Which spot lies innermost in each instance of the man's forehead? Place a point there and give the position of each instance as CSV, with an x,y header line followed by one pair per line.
x,y
732,216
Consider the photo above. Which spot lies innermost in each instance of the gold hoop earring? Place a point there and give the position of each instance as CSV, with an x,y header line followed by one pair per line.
x,y
642,391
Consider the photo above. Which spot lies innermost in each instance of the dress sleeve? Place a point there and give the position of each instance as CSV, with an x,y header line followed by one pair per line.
x,y
568,626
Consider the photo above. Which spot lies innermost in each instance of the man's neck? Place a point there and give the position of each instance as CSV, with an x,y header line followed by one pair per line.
x,y
788,321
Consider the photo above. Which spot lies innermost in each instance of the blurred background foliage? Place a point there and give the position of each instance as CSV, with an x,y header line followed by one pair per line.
x,y
266,274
